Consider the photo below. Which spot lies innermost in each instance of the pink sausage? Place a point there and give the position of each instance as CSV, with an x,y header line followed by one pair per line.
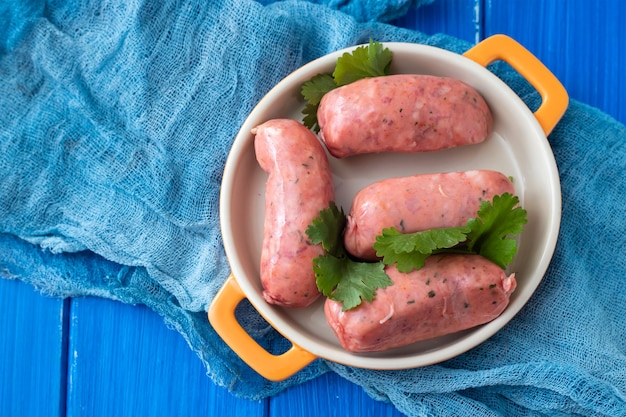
x,y
402,113
299,185
449,294
416,203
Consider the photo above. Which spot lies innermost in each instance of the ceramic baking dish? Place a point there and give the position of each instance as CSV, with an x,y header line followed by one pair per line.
x,y
517,147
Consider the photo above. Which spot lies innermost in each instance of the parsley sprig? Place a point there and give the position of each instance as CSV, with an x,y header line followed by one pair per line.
x,y
365,61
490,234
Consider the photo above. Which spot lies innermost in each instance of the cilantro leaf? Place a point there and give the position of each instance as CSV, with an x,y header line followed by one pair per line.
x,y
328,272
337,276
347,281
491,232
490,235
359,281
409,250
327,229
314,89
406,261
310,117
365,61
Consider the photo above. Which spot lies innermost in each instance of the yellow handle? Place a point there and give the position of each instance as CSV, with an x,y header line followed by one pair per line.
x,y
554,96
222,318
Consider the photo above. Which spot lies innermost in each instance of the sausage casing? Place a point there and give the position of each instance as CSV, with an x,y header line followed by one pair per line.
x,y
402,113
299,185
449,294
419,202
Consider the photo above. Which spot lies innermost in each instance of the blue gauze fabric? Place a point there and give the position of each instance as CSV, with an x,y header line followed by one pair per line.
x,y
117,120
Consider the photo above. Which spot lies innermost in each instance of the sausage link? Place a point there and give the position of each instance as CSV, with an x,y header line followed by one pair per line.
x,y
299,185
449,294
419,202
402,113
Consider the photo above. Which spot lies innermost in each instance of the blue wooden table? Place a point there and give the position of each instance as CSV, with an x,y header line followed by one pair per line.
x,y
95,357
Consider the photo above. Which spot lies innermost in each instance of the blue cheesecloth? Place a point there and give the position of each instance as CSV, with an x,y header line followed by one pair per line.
x,y
117,117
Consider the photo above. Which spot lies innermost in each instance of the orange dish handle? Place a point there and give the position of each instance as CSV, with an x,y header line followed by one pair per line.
x,y
222,318
554,96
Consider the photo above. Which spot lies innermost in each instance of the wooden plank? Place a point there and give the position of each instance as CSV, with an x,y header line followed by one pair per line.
x,y
124,361
329,395
458,18
572,37
32,355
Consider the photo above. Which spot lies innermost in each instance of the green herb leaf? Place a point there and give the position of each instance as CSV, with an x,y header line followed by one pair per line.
x,y
409,250
490,234
327,229
365,61
406,261
328,272
310,117
359,281
337,276
347,281
314,89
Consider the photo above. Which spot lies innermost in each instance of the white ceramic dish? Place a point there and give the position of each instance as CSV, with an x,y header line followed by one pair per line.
x,y
518,147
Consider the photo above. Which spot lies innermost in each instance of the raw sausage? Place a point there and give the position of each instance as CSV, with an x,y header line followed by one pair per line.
x,y
418,202
449,294
402,113
299,185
